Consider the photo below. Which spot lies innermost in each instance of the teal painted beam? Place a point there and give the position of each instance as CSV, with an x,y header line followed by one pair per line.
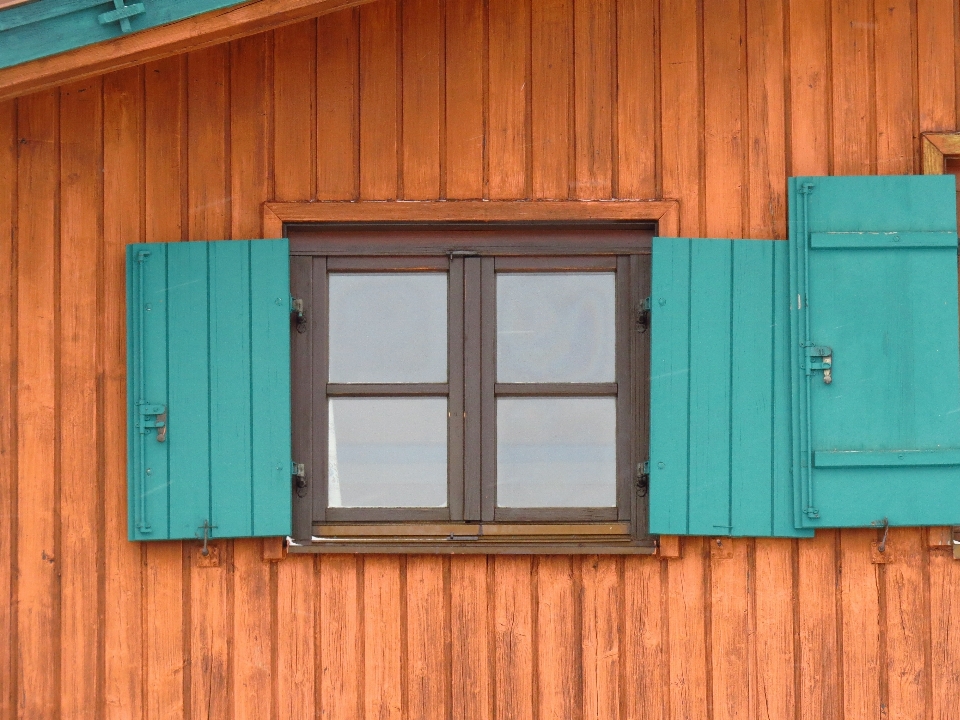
x,y
48,27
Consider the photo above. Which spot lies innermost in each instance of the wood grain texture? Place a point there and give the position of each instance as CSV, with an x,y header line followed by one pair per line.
x,y
123,160
700,98
8,407
81,201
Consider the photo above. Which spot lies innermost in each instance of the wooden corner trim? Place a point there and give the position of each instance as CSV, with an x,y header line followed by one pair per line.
x,y
664,212
935,147
155,43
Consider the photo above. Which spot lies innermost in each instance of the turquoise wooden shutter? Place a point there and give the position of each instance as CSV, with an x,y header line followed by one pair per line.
x,y
208,373
873,272
720,422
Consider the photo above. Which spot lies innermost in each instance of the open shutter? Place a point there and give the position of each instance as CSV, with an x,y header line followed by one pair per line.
x,y
208,389
873,272
720,423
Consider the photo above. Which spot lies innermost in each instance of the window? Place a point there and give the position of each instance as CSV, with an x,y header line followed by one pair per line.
x,y
471,386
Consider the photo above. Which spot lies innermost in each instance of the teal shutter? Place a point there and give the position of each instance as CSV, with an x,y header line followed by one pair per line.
x,y
720,422
873,272
208,357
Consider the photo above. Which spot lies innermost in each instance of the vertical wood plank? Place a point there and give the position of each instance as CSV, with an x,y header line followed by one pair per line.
x,y
421,99
681,109
8,408
766,121
638,137
646,689
80,496
469,633
854,121
773,663
895,97
209,219
723,68
382,652
123,159
513,638
595,89
464,94
163,577
860,632
299,607
508,53
729,593
249,176
560,682
816,609
294,93
427,667
687,636
379,100
944,638
551,77
810,87
338,67
341,638
601,607
38,561
936,64
906,625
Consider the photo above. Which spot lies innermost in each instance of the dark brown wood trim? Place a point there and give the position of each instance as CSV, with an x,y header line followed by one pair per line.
x,y
542,263
321,415
550,515
488,400
387,389
472,385
301,403
555,389
455,404
380,264
393,515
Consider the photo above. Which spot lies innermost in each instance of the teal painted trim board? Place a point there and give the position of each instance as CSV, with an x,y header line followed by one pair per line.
x,y
48,27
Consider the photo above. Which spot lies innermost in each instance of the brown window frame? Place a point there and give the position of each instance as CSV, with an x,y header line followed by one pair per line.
x,y
472,254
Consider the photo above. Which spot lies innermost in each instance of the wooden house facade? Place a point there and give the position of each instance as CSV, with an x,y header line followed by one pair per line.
x,y
709,103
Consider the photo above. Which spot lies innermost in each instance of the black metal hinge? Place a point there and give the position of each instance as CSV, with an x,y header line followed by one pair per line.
x,y
643,478
643,316
296,313
299,475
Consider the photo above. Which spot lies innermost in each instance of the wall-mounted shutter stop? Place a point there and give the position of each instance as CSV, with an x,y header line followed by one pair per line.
x,y
205,528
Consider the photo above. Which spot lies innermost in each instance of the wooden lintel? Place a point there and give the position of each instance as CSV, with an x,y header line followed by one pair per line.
x,y
160,42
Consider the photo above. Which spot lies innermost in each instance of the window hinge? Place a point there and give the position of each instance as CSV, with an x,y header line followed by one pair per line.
x,y
643,478
643,316
296,311
298,472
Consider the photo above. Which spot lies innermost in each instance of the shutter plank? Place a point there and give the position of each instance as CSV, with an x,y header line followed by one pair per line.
x,y
188,432
710,346
669,387
270,399
230,418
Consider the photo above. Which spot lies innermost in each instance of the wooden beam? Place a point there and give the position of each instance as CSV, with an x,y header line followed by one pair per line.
x,y
160,42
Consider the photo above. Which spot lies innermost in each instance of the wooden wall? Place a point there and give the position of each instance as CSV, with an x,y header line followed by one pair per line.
x,y
713,102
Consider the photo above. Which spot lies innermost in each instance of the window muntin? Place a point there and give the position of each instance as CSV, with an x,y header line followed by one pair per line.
x,y
606,383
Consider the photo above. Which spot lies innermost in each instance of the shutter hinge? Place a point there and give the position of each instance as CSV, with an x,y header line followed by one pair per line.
x,y
643,316
296,311
153,416
643,478
298,472
819,357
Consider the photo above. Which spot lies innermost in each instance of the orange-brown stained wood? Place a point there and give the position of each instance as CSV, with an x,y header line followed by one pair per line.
x,y
191,147
81,202
8,409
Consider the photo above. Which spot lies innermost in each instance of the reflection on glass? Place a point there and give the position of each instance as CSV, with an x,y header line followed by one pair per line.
x,y
555,327
388,328
556,452
387,452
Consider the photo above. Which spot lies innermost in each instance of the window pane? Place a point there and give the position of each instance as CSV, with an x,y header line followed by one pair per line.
x,y
388,328
555,327
387,452
556,452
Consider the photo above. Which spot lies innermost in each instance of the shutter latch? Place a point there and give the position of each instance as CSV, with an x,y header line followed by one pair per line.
x,y
154,416
643,316
820,357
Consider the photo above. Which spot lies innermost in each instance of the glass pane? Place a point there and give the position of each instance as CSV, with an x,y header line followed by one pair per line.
x,y
387,452
556,452
388,328
555,327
